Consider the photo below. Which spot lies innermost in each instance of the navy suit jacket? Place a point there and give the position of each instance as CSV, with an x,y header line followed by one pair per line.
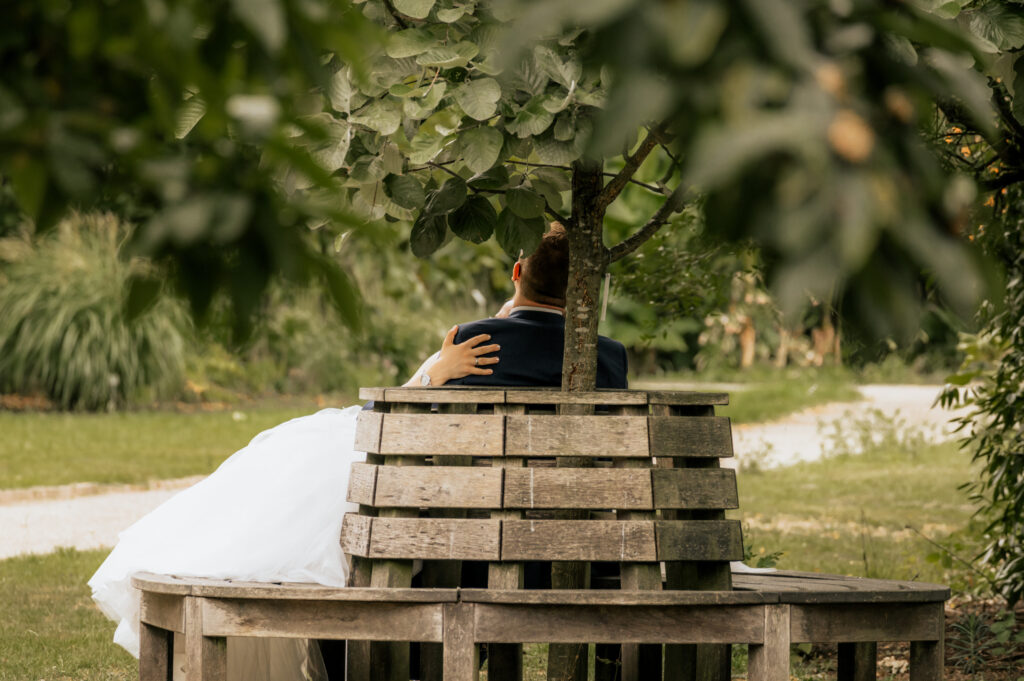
x,y
531,352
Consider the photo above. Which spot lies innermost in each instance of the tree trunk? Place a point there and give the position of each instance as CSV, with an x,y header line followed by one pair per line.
x,y
588,259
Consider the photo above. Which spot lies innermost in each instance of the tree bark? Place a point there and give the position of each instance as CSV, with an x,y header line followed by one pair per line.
x,y
588,259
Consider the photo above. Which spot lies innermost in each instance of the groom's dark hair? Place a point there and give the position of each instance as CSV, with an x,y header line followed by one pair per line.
x,y
545,272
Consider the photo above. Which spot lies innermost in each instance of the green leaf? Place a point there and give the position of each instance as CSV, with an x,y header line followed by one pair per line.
x,y
495,178
515,234
525,203
265,18
474,220
450,16
549,192
382,115
450,196
481,147
999,24
344,294
479,98
427,235
409,43
532,119
446,57
565,73
564,130
550,150
417,9
405,190
190,113
425,146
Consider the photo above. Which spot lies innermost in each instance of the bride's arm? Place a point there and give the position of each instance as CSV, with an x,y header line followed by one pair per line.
x,y
455,360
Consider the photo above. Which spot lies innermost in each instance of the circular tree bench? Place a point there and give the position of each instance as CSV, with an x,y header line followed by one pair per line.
x,y
507,477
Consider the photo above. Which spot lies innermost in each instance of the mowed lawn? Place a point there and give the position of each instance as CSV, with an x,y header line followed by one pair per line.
x,y
845,515
130,447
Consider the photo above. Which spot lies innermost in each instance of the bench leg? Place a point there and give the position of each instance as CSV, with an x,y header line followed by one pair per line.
x,y
857,661
926,660
156,650
461,656
770,661
607,662
206,656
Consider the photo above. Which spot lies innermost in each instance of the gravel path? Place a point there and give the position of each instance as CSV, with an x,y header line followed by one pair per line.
x,y
91,516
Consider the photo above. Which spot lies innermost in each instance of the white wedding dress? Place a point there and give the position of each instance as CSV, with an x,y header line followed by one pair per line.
x,y
270,512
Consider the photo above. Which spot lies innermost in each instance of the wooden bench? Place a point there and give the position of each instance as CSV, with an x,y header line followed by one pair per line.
x,y
508,477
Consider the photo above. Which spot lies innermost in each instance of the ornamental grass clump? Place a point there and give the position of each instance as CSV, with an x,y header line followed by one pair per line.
x,y
64,329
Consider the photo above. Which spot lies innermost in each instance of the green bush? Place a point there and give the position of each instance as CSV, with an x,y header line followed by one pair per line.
x,y
64,331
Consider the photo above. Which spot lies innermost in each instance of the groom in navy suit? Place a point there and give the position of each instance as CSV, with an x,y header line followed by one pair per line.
x,y
530,329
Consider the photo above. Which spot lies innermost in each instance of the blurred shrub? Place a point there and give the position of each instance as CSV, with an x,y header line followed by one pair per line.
x,y
63,326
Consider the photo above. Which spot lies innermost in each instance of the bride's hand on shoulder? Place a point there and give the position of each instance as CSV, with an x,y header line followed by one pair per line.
x,y
462,359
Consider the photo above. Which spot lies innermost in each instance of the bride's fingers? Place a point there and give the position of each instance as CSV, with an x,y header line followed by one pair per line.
x,y
475,340
449,337
481,371
486,349
484,361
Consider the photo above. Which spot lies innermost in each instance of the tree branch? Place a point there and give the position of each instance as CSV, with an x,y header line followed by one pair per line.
x,y
395,14
555,215
673,204
619,181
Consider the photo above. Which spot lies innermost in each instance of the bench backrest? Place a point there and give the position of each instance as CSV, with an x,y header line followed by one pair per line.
x,y
500,476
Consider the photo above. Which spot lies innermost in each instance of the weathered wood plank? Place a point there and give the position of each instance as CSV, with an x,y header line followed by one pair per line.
x,y
578,488
355,534
699,540
614,597
800,587
435,539
601,540
148,581
453,395
375,394
606,436
852,623
693,488
155,653
461,661
857,661
679,398
684,436
442,434
549,396
926,660
611,624
438,487
362,482
166,611
368,424
206,654
380,621
300,591
770,660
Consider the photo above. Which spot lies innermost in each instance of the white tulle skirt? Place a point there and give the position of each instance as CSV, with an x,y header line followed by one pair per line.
x,y
270,512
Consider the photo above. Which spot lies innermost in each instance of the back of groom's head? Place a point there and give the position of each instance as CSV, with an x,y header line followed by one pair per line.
x,y
545,272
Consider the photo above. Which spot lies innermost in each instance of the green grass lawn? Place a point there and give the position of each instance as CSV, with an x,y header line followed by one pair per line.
x,y
844,515
131,447
773,396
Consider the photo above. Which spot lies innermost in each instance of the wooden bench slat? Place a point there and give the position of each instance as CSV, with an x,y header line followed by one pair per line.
x,y
605,436
698,436
559,488
856,622
599,540
442,434
548,396
681,398
435,539
438,487
355,534
367,437
614,597
362,483
694,488
452,395
699,540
